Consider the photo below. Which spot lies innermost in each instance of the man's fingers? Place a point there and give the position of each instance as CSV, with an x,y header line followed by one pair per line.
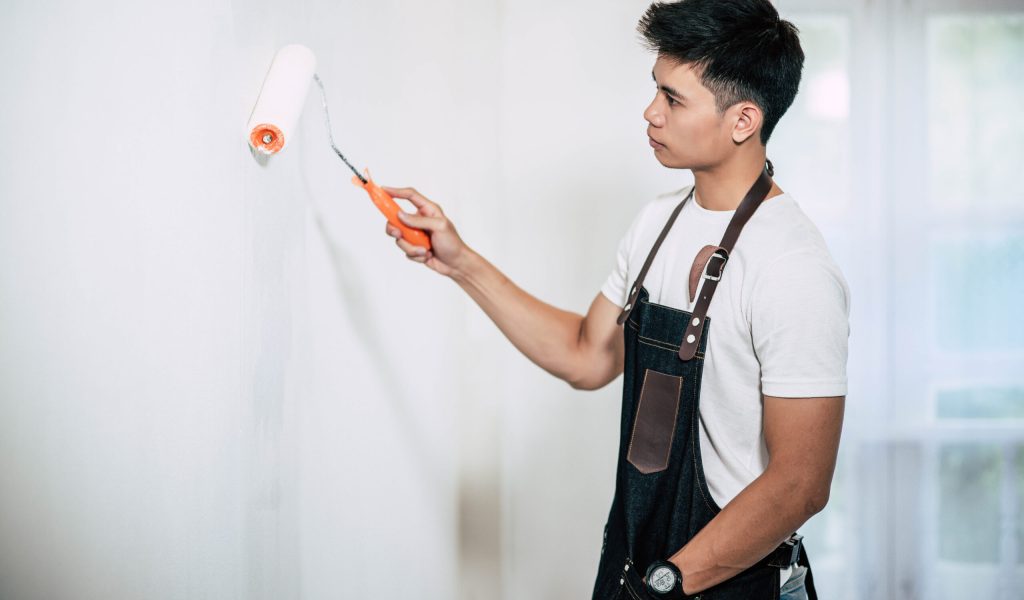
x,y
410,194
411,250
422,221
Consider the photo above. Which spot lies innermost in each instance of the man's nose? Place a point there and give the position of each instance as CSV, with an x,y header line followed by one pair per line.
x,y
653,116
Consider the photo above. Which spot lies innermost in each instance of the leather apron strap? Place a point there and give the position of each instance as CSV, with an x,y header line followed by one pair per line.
x,y
635,290
750,203
712,272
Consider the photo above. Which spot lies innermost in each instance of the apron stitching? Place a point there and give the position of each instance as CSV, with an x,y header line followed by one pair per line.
x,y
657,344
699,479
675,420
638,406
698,470
664,346
636,418
648,302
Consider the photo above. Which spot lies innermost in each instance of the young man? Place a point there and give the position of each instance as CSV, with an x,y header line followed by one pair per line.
x,y
729,432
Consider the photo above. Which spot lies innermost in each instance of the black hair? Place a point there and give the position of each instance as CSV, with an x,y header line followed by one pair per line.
x,y
740,49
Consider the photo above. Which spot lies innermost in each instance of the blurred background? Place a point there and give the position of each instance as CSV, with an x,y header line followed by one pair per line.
x,y
222,380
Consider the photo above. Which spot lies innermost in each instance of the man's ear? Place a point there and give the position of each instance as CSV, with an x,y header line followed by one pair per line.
x,y
748,119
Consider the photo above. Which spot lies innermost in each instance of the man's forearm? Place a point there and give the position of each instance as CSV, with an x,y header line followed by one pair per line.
x,y
547,335
757,520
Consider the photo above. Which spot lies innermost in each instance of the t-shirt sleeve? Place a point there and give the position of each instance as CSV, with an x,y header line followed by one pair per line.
x,y
615,287
800,315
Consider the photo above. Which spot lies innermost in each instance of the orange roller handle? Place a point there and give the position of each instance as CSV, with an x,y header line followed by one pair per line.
x,y
387,205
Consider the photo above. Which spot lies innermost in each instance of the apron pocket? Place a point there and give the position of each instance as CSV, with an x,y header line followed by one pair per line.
x,y
655,423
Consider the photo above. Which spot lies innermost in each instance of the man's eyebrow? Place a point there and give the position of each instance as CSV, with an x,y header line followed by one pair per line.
x,y
667,89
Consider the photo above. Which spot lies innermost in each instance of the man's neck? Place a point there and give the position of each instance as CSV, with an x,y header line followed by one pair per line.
x,y
724,186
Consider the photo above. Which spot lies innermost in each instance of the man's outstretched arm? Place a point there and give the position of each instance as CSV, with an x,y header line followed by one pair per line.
x,y
802,435
585,351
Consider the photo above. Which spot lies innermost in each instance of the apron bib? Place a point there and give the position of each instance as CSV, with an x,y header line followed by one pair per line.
x,y
661,495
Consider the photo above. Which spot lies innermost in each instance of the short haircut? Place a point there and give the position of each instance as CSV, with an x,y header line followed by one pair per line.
x,y
740,49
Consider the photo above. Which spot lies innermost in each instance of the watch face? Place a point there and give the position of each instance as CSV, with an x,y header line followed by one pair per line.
x,y
663,580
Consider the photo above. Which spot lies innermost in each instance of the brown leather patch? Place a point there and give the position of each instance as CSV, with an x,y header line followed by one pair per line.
x,y
655,423
698,267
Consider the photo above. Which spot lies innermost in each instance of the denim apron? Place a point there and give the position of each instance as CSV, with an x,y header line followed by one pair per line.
x,y
661,496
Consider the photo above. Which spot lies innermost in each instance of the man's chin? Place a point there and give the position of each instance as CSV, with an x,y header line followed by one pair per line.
x,y
669,161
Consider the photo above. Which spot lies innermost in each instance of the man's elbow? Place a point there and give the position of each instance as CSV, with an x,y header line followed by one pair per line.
x,y
583,384
592,375
806,494
590,381
815,498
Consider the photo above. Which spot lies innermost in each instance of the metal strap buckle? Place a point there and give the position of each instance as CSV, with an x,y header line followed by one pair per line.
x,y
721,255
788,552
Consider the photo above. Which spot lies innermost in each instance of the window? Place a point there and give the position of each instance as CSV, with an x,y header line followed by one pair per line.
x,y
905,147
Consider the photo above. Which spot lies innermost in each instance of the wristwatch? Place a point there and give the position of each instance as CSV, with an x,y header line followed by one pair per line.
x,y
664,580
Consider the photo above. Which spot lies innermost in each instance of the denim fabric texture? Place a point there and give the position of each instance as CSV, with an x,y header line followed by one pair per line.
x,y
661,495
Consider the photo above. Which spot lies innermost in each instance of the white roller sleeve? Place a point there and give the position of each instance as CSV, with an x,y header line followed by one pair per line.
x,y
281,99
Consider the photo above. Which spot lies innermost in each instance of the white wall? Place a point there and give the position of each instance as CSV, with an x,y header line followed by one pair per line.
x,y
219,379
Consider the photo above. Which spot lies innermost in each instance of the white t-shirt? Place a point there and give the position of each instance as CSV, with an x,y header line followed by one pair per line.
x,y
779,320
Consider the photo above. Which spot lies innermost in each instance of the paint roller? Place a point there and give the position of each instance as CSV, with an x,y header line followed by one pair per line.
x,y
272,125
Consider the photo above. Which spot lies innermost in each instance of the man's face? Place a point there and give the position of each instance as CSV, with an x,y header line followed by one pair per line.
x,y
682,118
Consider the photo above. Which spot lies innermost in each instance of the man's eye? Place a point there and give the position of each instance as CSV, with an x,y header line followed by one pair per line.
x,y
671,100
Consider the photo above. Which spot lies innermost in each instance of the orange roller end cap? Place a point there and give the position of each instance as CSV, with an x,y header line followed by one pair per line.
x,y
262,133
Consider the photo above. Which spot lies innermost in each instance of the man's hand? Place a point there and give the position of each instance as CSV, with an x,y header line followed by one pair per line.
x,y
447,248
